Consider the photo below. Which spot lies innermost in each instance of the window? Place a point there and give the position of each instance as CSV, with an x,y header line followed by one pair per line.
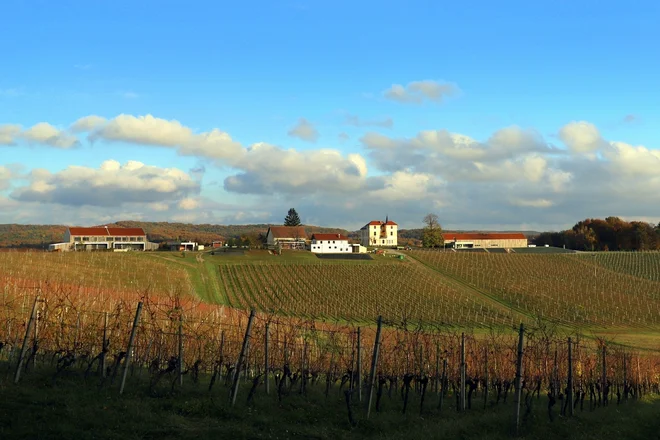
x,y
374,233
333,242
391,232
76,238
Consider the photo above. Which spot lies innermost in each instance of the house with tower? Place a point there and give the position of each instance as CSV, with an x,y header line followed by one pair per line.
x,y
379,233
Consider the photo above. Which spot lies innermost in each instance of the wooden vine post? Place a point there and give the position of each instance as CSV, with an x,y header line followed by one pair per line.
x,y
266,364
28,330
374,365
104,349
569,394
485,377
625,378
179,370
241,359
462,370
518,383
437,368
129,349
359,364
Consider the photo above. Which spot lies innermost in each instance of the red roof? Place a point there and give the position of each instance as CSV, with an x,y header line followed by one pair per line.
x,y
107,232
329,237
288,231
378,223
451,236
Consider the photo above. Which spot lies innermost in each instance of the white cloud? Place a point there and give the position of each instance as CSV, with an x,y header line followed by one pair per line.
x,y
304,130
159,206
535,203
5,177
188,204
111,185
581,137
267,169
8,133
44,133
513,177
87,123
633,160
417,92
150,130
401,186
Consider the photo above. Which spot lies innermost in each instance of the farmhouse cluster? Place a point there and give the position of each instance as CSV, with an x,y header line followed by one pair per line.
x,y
383,234
375,234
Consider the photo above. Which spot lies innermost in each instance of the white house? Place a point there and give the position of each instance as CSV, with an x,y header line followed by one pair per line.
x,y
379,233
330,244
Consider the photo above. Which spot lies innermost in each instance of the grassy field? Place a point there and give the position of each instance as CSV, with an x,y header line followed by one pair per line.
x,y
68,407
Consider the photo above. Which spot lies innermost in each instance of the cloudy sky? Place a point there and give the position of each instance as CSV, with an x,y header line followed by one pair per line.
x,y
494,115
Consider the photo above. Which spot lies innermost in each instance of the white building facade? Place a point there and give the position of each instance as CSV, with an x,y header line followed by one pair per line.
x,y
330,244
379,233
104,238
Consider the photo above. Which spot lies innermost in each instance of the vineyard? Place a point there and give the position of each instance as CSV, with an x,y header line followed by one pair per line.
x,y
353,292
447,342
618,290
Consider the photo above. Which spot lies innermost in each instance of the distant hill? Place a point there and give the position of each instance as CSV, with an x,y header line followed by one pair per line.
x,y
39,236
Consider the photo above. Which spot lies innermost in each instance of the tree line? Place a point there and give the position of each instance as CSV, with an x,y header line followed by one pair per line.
x,y
611,234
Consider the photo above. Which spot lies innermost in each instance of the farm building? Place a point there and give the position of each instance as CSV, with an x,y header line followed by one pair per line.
x,y
104,238
330,244
359,249
289,237
184,246
485,240
379,233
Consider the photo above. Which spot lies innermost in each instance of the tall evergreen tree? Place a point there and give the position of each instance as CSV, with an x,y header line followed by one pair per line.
x,y
292,218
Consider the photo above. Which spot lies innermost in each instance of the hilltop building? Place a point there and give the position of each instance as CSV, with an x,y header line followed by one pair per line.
x,y
288,237
485,240
379,233
104,238
330,244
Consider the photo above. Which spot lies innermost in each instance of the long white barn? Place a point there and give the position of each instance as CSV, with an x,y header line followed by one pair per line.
x,y
330,244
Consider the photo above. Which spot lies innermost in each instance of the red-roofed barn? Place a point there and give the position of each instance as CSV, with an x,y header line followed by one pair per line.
x,y
288,237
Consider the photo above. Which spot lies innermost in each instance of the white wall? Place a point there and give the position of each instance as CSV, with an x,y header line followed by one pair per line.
x,y
331,247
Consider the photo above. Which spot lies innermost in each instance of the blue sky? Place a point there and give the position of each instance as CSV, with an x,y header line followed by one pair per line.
x,y
252,70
